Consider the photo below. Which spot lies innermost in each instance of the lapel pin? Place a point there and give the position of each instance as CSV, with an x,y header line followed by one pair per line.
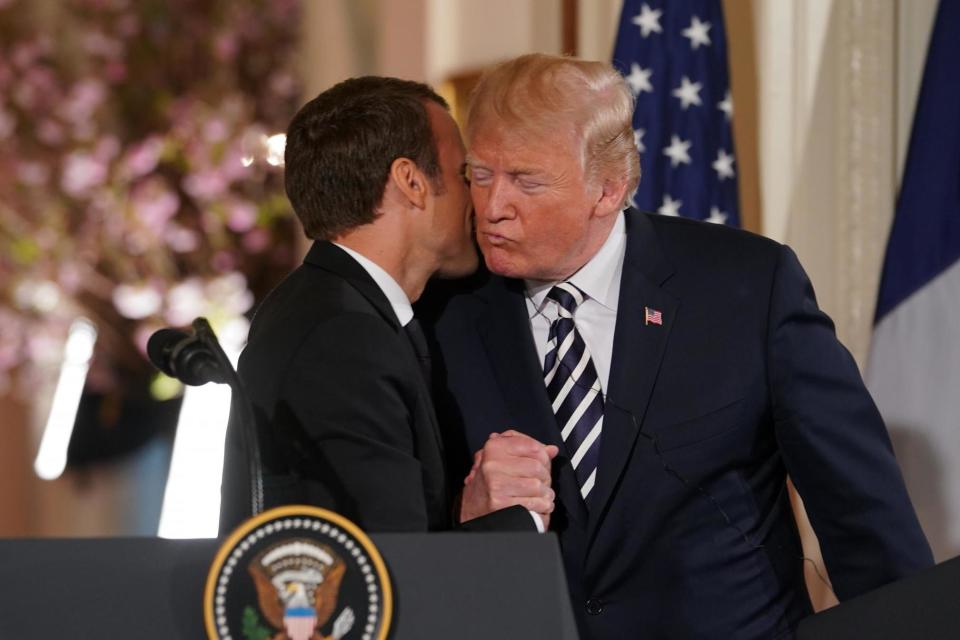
x,y
652,316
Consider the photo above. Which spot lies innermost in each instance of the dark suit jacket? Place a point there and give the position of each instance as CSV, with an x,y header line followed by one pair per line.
x,y
690,532
344,416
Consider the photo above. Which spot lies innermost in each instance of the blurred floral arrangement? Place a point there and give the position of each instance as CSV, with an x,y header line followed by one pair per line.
x,y
138,185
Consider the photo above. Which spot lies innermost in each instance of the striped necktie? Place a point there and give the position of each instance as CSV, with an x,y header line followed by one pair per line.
x,y
574,388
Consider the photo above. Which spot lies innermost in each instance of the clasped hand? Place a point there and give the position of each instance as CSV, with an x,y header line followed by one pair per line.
x,y
511,469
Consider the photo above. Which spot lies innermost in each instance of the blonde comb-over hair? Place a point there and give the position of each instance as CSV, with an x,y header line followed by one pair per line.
x,y
541,96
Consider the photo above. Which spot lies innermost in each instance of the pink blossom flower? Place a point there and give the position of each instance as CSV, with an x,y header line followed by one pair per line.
x,y
85,97
107,149
215,130
98,43
241,216
232,165
70,276
44,348
81,173
154,204
181,240
142,158
205,185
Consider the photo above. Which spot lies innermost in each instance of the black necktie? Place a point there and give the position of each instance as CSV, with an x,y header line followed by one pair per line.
x,y
419,342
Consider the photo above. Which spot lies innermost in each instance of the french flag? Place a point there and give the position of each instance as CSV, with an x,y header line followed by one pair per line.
x,y
914,365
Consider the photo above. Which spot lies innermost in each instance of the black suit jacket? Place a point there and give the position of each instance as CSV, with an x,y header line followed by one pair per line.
x,y
344,416
690,532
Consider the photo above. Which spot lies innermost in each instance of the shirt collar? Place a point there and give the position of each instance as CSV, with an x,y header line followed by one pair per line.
x,y
599,278
395,295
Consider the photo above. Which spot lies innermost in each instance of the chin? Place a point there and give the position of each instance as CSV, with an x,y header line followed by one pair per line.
x,y
500,264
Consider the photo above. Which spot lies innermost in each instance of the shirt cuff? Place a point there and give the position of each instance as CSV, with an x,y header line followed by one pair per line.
x,y
538,521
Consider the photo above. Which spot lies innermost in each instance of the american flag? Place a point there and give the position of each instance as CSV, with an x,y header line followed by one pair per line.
x,y
652,316
673,54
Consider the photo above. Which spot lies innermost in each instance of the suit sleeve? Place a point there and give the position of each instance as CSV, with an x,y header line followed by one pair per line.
x,y
835,445
349,396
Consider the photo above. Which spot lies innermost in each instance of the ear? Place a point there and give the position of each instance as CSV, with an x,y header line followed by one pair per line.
x,y
410,181
612,195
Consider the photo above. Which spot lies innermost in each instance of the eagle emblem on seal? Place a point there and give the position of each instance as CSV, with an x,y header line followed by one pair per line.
x,y
298,582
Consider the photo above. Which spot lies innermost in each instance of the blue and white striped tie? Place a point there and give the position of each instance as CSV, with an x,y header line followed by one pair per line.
x,y
574,388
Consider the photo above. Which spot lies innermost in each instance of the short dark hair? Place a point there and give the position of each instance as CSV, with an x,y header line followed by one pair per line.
x,y
340,146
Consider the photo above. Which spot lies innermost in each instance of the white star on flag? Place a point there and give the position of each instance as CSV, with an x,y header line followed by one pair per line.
x,y
726,105
672,55
678,151
639,79
688,93
648,20
638,139
717,216
723,165
670,207
697,33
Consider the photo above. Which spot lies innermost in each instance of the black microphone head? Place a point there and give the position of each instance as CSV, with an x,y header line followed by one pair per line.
x,y
160,346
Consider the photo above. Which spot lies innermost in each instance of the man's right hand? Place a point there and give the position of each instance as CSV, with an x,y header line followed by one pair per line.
x,y
511,469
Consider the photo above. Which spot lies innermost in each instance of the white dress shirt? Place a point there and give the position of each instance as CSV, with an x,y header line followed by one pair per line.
x,y
395,294
596,317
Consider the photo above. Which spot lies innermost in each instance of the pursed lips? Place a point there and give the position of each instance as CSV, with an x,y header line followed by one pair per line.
x,y
494,239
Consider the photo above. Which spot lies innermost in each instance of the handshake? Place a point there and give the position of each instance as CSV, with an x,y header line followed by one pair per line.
x,y
511,469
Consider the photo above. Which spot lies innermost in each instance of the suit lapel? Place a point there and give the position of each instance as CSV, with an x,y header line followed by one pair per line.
x,y
504,328
638,348
330,257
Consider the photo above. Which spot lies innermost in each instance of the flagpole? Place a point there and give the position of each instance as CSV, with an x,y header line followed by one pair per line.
x,y
569,27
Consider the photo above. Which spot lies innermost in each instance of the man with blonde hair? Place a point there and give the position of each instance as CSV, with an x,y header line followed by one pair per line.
x,y
682,368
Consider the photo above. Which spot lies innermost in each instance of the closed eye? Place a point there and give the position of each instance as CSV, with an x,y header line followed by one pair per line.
x,y
478,176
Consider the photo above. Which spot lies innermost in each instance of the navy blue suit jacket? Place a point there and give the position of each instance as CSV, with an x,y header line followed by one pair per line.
x,y
690,533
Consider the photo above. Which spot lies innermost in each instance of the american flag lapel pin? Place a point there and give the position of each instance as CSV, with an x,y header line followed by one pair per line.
x,y
652,316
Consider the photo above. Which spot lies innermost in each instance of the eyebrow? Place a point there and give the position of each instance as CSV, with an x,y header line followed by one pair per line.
x,y
471,161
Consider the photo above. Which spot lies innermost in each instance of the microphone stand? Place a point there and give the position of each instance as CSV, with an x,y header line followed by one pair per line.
x,y
248,431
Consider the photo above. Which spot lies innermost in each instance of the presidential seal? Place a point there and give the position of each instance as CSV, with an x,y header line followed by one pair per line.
x,y
298,573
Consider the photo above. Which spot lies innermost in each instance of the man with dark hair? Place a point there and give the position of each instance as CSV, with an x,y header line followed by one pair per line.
x,y
336,366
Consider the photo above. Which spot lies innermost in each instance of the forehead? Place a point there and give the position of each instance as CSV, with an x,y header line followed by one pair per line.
x,y
515,149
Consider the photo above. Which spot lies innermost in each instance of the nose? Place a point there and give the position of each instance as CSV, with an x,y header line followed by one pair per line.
x,y
498,204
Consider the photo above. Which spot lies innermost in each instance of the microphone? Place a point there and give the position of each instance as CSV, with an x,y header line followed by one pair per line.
x,y
198,359
184,357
